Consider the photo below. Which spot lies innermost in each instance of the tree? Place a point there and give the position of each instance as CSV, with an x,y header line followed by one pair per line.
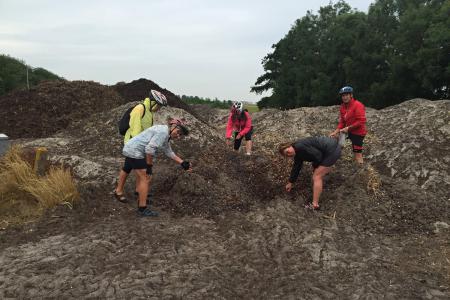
x,y
13,74
397,51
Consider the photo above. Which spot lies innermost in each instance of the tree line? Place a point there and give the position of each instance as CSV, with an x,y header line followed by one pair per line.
x,y
215,103
13,74
398,50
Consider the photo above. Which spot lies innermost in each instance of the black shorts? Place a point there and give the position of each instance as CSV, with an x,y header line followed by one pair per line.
x,y
134,163
248,137
357,142
331,158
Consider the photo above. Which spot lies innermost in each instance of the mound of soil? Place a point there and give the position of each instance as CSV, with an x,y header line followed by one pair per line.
x,y
407,141
213,116
138,90
52,105
229,230
98,135
225,181
412,141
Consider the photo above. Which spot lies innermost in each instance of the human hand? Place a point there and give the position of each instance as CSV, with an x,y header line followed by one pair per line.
x,y
289,187
187,166
228,142
334,134
344,130
149,171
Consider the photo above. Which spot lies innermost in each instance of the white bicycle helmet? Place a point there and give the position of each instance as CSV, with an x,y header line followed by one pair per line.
x,y
158,97
238,106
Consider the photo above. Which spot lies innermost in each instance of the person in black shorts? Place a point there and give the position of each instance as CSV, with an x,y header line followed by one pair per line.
x,y
323,152
352,122
139,154
238,141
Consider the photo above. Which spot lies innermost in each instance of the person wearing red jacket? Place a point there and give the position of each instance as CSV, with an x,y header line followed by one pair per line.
x,y
352,121
239,126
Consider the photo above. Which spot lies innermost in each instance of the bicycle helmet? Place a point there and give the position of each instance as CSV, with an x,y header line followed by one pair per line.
x,y
238,106
346,90
158,97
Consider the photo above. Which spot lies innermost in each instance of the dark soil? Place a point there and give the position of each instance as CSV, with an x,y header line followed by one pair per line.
x,y
138,90
52,105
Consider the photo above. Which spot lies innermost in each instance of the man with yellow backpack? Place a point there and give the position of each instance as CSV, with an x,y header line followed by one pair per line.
x,y
134,121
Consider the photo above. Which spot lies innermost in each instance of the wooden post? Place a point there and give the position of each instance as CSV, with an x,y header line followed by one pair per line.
x,y
40,160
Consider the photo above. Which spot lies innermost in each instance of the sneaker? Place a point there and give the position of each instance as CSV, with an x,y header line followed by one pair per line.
x,y
311,206
148,213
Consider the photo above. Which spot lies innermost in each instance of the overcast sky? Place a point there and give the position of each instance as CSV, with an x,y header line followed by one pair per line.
x,y
191,47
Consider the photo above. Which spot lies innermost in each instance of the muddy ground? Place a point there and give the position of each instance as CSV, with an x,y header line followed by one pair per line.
x,y
228,230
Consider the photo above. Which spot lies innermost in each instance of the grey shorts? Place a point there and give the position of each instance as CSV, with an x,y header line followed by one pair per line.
x,y
331,158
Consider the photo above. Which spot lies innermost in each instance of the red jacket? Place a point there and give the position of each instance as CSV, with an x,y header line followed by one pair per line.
x,y
353,114
239,125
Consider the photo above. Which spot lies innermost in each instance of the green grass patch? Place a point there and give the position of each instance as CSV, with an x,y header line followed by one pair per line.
x,y
252,107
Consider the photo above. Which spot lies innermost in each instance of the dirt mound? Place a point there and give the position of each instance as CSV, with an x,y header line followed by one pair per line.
x,y
378,234
213,116
138,90
412,141
92,147
407,141
98,135
224,181
52,105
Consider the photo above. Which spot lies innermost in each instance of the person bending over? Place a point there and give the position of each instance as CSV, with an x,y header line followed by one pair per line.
x,y
323,152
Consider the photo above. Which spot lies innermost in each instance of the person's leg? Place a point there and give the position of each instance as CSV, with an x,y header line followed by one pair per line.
x,y
249,143
121,183
237,144
357,146
248,147
137,184
148,182
318,175
142,187
123,175
359,158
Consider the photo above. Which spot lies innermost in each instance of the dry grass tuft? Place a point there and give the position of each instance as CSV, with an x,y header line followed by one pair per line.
x,y
56,188
25,195
373,181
